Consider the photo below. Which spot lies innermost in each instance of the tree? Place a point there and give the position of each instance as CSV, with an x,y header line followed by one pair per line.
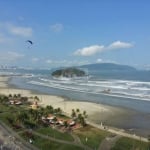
x,y
73,114
10,95
81,120
5,99
36,98
65,124
19,95
36,116
77,110
41,111
85,114
79,116
58,110
49,109
15,96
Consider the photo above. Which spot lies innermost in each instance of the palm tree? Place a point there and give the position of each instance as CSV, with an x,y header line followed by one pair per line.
x,y
73,114
36,115
41,111
58,110
77,110
6,99
85,114
10,95
79,116
49,108
36,98
19,95
82,121
15,96
31,113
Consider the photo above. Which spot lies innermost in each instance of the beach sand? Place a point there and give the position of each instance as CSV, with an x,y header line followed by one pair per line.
x,y
97,113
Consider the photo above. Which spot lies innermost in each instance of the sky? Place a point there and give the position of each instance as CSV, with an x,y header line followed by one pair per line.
x,y
74,32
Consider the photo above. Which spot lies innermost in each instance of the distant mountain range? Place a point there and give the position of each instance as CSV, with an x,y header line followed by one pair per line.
x,y
108,66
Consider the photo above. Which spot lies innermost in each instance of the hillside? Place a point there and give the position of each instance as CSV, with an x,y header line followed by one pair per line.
x,y
108,66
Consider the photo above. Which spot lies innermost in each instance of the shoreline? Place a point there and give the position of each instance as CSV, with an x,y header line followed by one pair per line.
x,y
103,93
57,101
97,113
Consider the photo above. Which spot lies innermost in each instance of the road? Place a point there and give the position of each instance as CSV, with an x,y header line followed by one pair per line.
x,y
11,140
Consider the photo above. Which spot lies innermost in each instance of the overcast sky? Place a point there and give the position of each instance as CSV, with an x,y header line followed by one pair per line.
x,y
74,32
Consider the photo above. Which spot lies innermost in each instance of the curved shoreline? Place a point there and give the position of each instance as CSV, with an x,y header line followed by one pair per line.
x,y
97,113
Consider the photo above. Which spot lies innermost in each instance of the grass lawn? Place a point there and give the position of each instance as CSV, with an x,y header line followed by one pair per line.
x,y
54,133
15,108
3,108
44,144
129,144
3,117
94,136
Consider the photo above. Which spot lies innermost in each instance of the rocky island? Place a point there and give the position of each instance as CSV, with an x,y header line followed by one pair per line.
x,y
69,72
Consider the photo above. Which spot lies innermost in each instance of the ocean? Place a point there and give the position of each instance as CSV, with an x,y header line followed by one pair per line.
x,y
128,90
125,89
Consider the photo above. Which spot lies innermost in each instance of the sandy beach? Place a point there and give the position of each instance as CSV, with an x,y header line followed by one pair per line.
x,y
101,112
97,113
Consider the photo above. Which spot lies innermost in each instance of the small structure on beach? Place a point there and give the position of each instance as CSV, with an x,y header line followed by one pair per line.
x,y
15,102
51,117
71,122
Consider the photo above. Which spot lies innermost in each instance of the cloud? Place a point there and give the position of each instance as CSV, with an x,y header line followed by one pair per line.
x,y
10,56
88,51
99,60
119,45
57,27
21,31
17,30
94,49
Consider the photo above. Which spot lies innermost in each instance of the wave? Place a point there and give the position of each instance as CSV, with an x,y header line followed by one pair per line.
x,y
58,85
103,84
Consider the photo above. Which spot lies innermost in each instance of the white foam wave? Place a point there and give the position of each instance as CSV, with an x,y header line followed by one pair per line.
x,y
86,90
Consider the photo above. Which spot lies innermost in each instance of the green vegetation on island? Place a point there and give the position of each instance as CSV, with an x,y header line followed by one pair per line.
x,y
69,72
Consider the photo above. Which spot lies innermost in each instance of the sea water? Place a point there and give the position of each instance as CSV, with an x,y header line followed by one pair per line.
x,y
129,90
